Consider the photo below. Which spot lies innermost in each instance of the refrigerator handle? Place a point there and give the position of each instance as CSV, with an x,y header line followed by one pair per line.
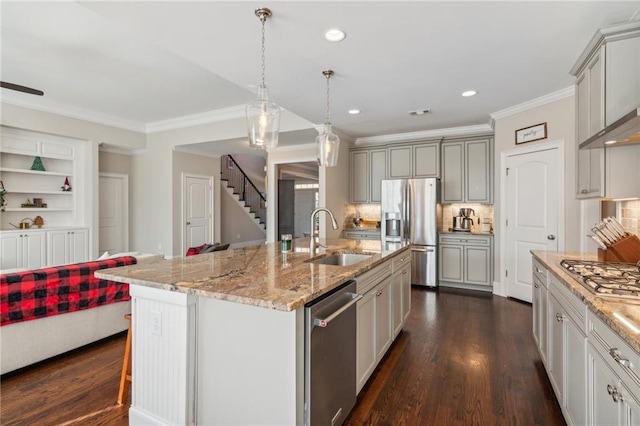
x,y
407,234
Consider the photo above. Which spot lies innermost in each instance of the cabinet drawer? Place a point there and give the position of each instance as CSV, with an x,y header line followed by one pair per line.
x,y
355,235
540,272
465,240
570,302
369,279
401,260
621,357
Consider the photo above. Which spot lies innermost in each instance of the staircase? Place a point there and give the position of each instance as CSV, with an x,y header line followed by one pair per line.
x,y
239,184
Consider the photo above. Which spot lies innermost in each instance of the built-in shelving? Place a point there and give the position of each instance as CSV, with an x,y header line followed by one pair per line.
x,y
35,191
35,172
36,209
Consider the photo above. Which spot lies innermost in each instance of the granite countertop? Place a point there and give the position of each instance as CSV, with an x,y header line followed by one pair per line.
x,y
258,275
603,307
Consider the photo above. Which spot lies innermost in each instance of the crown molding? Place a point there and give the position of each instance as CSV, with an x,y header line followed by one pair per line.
x,y
208,117
425,134
45,105
534,103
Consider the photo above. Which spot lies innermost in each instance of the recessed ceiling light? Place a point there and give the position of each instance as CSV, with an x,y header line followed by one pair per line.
x,y
468,93
610,142
334,35
354,111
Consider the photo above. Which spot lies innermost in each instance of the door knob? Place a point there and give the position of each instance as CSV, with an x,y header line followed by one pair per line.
x,y
188,223
551,237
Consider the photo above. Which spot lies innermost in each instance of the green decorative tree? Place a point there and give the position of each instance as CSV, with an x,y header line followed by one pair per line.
x,y
37,164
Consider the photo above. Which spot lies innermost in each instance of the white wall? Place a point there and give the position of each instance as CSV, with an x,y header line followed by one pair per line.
x,y
559,116
195,164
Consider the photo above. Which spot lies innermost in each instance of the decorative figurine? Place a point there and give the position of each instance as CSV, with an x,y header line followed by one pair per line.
x,y
66,187
37,164
3,202
38,221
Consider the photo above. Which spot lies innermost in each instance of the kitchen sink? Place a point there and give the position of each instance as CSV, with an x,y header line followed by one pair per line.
x,y
342,259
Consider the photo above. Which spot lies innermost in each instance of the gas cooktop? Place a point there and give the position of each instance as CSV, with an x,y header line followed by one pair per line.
x,y
607,279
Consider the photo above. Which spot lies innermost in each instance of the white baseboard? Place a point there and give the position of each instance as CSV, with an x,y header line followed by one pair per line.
x,y
500,288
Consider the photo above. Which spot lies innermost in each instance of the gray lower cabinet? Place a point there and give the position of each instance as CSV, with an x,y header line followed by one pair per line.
x,y
467,171
381,313
361,235
466,261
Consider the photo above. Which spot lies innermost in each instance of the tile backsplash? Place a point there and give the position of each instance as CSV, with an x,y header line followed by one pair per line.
x,y
370,214
630,216
482,211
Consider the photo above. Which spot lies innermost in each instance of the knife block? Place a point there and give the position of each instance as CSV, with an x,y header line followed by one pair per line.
x,y
627,250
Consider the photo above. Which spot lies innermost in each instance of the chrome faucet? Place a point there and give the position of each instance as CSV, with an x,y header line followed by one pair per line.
x,y
312,241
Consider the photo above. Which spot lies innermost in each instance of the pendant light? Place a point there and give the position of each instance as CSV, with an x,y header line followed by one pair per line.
x,y
327,143
263,115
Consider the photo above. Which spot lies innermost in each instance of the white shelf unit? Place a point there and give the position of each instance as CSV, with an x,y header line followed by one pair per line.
x,y
62,158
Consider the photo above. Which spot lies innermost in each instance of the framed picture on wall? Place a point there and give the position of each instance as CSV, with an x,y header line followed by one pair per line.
x,y
531,133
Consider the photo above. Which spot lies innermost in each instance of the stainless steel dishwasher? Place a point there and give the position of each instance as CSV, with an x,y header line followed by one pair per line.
x,y
330,356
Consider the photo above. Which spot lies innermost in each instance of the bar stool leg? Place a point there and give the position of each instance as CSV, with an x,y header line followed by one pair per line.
x,y
125,376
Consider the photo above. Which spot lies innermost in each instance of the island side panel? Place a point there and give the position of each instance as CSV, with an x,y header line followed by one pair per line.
x,y
250,365
163,353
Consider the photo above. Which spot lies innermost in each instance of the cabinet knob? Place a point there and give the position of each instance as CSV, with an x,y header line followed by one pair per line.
x,y
559,317
551,237
583,191
615,394
536,286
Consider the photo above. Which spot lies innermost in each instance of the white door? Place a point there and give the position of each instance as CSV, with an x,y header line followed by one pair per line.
x,y
197,199
113,220
533,206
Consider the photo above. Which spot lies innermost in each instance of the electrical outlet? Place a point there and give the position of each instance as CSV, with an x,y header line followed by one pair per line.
x,y
156,323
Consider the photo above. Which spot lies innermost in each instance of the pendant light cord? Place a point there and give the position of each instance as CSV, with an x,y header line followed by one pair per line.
x,y
263,19
328,110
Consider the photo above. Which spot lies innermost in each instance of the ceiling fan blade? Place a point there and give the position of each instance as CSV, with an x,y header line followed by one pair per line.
x,y
19,88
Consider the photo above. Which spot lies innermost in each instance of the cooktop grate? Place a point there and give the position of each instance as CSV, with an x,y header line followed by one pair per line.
x,y
607,279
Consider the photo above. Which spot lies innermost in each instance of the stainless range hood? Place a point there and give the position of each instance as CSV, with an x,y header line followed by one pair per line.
x,y
625,131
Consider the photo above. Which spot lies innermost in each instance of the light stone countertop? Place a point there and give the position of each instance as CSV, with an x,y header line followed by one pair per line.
x,y
603,307
462,233
258,275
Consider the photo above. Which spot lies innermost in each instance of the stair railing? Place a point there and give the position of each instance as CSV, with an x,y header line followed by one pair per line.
x,y
237,179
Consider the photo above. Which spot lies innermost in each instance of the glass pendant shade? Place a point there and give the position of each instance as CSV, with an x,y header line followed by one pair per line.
x,y
328,147
263,121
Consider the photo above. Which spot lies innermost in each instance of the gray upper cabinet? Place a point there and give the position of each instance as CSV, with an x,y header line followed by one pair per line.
x,y
359,191
607,87
467,172
426,160
414,161
368,169
400,162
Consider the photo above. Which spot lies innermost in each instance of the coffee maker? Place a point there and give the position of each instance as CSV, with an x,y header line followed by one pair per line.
x,y
463,222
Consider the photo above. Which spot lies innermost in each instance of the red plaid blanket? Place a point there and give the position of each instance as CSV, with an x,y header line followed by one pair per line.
x,y
37,293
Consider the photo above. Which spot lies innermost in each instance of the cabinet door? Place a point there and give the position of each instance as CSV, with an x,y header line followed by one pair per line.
x,y
596,94
604,410
555,360
400,162
535,308
396,302
406,292
384,332
57,248
576,373
477,173
582,109
10,251
544,321
477,265
426,160
78,245
453,172
366,338
623,78
359,176
33,250
630,407
378,168
451,263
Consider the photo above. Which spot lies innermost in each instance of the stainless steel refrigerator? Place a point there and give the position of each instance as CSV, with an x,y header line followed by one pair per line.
x,y
411,211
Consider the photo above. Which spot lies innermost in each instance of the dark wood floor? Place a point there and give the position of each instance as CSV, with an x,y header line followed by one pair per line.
x,y
463,358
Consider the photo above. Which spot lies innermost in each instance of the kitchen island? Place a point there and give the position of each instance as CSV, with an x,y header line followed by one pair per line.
x,y
589,342
218,337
